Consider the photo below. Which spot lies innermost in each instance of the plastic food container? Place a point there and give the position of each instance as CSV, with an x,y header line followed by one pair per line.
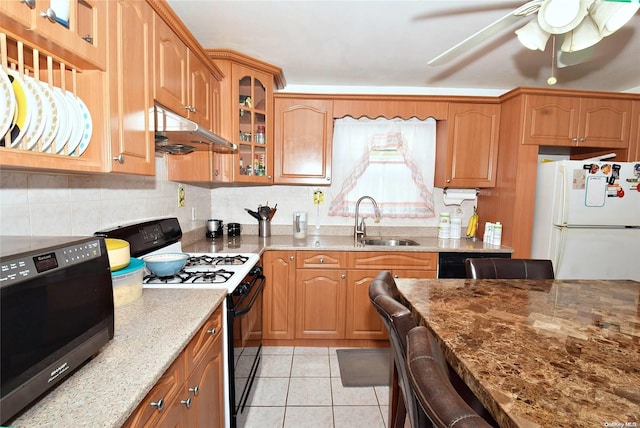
x,y
118,252
127,283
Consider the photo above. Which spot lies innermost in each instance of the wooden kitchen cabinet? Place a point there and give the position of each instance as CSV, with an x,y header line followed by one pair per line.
x,y
320,307
278,314
183,83
362,319
303,140
131,88
467,146
84,42
191,392
247,115
575,121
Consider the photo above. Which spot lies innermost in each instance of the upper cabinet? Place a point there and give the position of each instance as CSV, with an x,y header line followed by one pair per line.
x,y
182,83
467,146
247,116
78,34
131,88
303,140
577,121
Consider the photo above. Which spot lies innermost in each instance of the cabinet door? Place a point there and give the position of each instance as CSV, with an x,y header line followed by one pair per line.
x,y
604,123
193,167
362,319
393,260
205,387
550,120
200,83
468,156
160,402
278,316
303,141
171,60
130,73
320,304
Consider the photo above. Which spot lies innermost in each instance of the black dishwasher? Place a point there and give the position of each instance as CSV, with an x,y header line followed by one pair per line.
x,y
451,264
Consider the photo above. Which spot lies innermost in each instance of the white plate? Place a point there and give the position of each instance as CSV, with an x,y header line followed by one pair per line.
x,y
23,107
7,105
53,122
87,128
38,114
64,132
76,123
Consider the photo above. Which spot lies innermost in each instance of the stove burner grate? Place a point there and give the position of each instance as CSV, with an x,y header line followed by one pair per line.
x,y
219,276
216,260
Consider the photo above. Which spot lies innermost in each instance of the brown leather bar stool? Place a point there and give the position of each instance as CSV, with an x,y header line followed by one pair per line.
x,y
499,268
398,320
439,404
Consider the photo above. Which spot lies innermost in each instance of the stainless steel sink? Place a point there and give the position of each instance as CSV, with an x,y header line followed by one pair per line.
x,y
388,242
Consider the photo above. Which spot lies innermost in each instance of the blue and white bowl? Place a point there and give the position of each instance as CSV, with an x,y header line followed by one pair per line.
x,y
166,264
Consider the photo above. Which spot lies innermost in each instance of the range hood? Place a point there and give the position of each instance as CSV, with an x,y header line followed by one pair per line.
x,y
178,135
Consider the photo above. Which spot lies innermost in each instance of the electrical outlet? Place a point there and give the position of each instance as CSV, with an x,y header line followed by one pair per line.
x,y
318,197
194,217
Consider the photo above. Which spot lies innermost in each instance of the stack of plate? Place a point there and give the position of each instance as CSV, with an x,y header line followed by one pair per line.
x,y
38,117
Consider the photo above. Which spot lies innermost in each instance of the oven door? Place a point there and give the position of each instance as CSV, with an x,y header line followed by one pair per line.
x,y
245,338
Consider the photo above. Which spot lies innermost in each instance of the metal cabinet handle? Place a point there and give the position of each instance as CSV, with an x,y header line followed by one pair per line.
x,y
212,331
582,139
30,3
50,14
194,390
191,108
119,158
574,139
186,402
158,404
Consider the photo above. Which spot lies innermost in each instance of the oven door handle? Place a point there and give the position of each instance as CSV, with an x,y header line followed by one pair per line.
x,y
258,290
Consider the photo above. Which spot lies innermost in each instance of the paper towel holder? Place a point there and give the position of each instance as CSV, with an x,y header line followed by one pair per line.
x,y
456,196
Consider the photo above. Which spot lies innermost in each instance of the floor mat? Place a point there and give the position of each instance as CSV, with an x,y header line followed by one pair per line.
x,y
364,367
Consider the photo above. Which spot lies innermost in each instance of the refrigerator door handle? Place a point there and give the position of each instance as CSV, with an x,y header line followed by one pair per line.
x,y
559,249
564,196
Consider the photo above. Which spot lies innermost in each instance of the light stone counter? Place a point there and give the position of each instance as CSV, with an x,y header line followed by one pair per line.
x,y
255,244
149,335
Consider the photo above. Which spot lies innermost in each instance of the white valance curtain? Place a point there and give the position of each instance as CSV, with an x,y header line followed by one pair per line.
x,y
392,160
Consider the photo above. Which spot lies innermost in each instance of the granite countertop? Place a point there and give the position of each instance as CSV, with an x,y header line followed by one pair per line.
x,y
255,244
563,353
149,334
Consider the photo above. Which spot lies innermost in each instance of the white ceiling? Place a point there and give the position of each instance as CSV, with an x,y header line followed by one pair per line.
x,y
383,46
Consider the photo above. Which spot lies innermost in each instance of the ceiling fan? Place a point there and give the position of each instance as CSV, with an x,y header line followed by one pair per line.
x,y
580,23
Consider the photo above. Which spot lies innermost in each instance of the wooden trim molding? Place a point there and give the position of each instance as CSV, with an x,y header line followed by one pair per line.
x,y
247,61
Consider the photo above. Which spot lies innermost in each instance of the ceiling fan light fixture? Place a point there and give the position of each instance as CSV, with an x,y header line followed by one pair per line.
x,y
532,36
561,16
582,37
611,16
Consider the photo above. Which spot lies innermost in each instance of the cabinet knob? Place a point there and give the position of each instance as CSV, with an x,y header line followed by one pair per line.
x,y
321,260
582,139
50,14
30,3
119,158
191,108
343,276
194,390
187,402
574,139
328,178
158,404
448,180
291,258
212,331
396,276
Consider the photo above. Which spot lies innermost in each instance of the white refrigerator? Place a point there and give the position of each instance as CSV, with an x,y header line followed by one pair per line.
x,y
587,219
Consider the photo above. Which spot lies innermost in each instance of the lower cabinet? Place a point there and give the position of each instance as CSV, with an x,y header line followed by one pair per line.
x,y
191,392
325,295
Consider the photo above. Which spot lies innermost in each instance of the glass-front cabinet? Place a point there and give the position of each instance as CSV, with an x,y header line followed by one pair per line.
x,y
248,90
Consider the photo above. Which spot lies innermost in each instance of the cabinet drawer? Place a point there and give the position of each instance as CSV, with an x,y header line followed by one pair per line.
x,y
197,349
321,259
164,391
392,260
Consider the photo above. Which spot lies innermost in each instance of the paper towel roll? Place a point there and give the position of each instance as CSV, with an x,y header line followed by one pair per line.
x,y
456,196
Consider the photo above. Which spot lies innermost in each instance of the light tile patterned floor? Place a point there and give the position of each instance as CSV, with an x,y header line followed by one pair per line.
x,y
301,388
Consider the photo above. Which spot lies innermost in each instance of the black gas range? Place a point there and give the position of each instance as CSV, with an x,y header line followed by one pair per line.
x,y
239,274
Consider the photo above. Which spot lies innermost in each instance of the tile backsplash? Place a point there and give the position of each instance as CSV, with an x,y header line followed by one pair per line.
x,y
77,205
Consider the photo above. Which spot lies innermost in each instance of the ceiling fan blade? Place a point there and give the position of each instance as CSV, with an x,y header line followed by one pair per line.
x,y
487,32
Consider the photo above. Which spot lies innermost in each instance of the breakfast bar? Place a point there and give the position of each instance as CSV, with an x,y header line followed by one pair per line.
x,y
550,353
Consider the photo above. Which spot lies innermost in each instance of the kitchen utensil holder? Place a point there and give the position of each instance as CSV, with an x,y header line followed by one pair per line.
x,y
264,228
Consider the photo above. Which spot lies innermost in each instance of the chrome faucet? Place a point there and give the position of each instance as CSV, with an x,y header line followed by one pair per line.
x,y
360,230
